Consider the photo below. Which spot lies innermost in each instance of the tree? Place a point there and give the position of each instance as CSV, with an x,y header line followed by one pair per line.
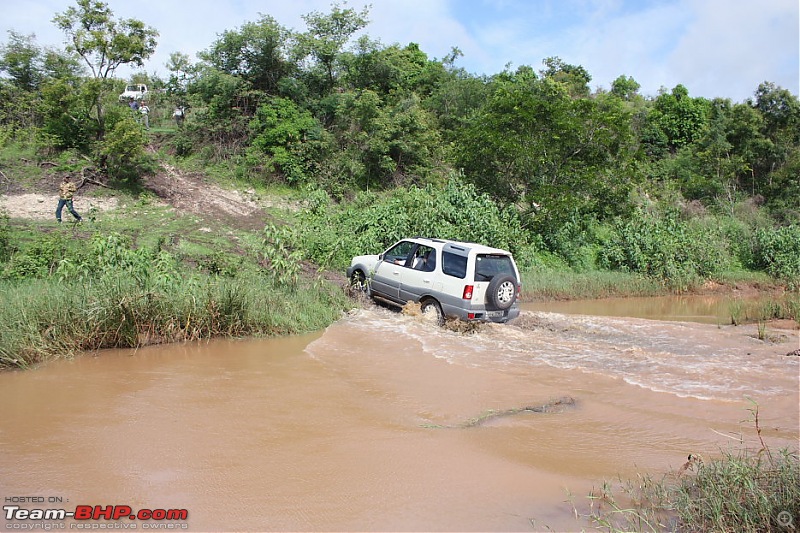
x,y
224,106
181,69
555,156
257,53
327,35
780,108
778,165
30,69
574,77
679,117
387,70
625,87
455,98
721,165
21,58
104,44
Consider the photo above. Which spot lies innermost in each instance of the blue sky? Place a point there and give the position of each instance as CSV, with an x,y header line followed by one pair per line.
x,y
715,48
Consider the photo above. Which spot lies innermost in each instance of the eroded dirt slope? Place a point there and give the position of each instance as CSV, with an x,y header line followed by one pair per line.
x,y
187,192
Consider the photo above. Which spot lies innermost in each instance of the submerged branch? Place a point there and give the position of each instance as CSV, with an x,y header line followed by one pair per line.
x,y
549,407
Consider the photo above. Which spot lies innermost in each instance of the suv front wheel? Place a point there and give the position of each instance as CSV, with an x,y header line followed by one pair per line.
x,y
358,281
502,291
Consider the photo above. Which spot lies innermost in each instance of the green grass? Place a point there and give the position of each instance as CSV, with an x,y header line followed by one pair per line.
x,y
742,490
46,319
214,283
785,307
568,285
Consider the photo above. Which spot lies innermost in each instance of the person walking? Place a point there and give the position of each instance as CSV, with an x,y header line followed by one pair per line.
x,y
179,114
67,190
145,111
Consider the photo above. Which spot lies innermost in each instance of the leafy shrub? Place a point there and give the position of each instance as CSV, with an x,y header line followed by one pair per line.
x,y
777,250
284,263
280,131
124,150
38,260
5,238
661,246
331,236
220,264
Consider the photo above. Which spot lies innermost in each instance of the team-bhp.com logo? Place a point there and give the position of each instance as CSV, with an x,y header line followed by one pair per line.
x,y
89,517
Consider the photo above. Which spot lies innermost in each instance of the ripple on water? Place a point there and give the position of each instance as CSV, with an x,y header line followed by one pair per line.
x,y
686,359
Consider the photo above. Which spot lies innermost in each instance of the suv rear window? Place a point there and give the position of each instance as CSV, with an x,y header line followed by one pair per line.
x,y
488,266
454,264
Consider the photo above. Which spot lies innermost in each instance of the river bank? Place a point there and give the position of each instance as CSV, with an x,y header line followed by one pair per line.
x,y
162,266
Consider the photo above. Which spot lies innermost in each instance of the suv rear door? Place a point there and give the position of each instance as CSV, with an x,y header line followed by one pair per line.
x,y
487,267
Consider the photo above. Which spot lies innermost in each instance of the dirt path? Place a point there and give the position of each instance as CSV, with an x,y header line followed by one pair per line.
x,y
38,206
187,192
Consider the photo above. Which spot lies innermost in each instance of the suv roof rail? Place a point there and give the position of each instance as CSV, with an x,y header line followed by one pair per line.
x,y
432,239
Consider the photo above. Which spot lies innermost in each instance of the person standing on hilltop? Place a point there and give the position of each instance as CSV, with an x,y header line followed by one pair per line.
x,y
67,190
145,111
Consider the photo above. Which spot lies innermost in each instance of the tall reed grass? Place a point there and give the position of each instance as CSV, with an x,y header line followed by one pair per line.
x,y
786,307
564,284
742,490
42,319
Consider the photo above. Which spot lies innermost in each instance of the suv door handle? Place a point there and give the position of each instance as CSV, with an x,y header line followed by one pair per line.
x,y
396,272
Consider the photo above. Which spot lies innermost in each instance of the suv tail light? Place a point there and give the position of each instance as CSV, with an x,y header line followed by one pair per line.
x,y
467,295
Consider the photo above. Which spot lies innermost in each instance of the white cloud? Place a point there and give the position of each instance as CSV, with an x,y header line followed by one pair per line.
x,y
732,46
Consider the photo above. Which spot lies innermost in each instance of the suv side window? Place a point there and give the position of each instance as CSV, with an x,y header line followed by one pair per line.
x,y
488,266
454,265
398,254
424,259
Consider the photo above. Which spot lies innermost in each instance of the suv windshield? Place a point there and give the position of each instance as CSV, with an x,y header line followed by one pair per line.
x,y
488,266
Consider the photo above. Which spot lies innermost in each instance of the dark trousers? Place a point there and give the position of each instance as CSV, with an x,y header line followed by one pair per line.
x,y
68,203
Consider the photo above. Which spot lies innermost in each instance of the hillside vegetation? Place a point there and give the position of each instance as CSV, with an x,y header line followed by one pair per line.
x,y
370,142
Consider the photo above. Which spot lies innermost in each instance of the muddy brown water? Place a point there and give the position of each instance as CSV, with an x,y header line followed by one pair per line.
x,y
337,431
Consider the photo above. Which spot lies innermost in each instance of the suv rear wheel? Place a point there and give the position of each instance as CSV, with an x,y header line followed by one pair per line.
x,y
502,291
431,309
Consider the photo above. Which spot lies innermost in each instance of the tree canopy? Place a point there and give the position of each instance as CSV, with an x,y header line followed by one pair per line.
x,y
324,108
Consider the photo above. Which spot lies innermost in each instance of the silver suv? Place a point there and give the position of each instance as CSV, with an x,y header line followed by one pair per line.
x,y
449,278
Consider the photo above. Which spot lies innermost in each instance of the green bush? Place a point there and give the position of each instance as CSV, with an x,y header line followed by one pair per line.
x,y
331,235
39,259
777,250
662,246
5,237
124,149
281,133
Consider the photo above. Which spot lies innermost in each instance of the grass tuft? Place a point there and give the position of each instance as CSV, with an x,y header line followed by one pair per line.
x,y
740,491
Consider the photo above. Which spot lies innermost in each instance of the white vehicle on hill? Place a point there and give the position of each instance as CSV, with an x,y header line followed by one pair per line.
x,y
135,91
449,278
